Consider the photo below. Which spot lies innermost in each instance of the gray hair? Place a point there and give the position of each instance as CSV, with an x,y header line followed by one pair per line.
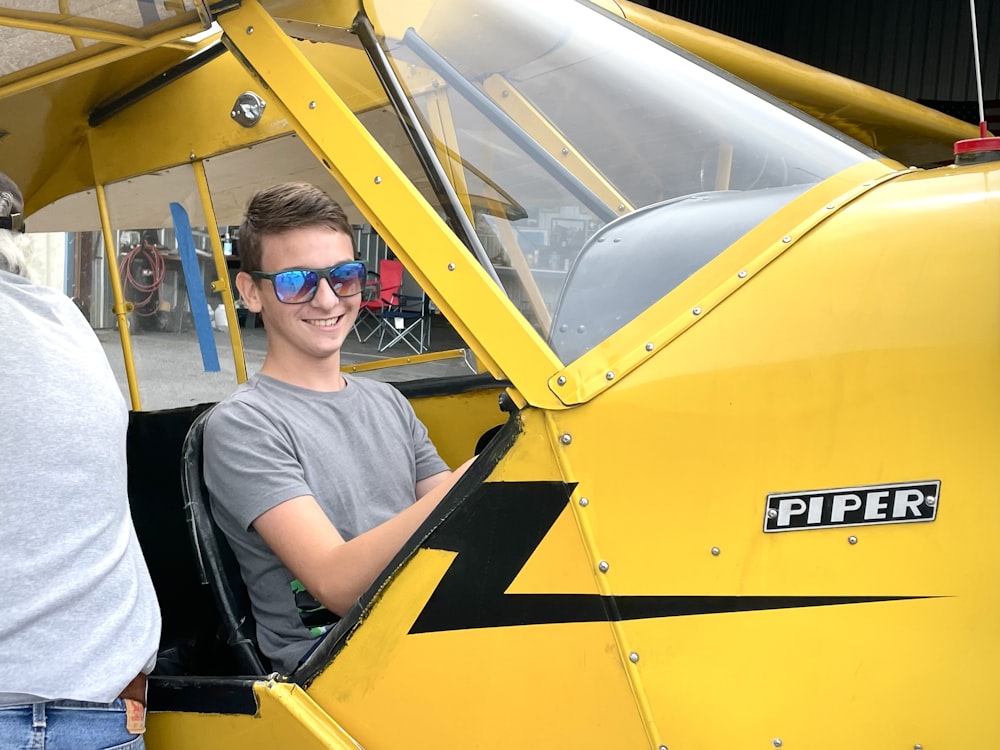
x,y
15,253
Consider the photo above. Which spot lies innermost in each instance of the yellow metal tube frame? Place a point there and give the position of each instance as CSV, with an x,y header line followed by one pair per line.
x,y
121,308
221,285
507,98
400,361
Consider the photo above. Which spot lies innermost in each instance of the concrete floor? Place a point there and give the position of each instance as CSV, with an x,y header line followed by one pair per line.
x,y
171,369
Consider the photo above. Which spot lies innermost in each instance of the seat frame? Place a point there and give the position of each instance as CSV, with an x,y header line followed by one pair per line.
x,y
216,562
406,322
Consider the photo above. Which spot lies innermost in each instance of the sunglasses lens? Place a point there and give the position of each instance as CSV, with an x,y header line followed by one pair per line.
x,y
295,286
348,279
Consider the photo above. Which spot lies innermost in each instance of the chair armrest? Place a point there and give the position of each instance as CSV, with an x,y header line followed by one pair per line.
x,y
411,301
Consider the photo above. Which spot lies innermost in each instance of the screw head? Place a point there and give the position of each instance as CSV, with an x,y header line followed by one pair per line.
x,y
696,311
786,239
742,274
772,513
565,438
249,29
312,105
561,380
633,657
777,742
930,500
852,539
565,151
584,502
603,566
649,346
378,180
609,375
451,266
716,551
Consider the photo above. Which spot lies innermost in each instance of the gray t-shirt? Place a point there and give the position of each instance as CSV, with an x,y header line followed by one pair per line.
x,y
78,614
359,451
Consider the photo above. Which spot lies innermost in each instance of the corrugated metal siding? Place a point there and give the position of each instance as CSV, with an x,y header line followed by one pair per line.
x,y
920,49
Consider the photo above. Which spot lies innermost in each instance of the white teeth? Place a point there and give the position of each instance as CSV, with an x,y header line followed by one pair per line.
x,y
329,322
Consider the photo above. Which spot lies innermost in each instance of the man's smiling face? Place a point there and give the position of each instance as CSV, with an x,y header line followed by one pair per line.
x,y
312,332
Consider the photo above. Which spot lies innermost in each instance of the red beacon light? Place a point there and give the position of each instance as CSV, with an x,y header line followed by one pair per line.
x,y
979,150
984,148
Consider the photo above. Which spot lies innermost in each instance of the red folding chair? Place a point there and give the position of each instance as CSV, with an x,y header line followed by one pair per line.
x,y
407,323
381,292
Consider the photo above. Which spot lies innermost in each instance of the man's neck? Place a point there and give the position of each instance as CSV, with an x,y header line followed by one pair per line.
x,y
314,376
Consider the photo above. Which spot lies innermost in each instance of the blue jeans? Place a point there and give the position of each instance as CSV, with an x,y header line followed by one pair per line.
x,y
67,725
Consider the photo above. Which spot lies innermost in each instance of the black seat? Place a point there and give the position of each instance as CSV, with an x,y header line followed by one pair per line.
x,y
216,562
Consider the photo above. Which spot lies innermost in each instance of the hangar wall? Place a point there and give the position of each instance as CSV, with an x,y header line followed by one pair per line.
x,y
919,49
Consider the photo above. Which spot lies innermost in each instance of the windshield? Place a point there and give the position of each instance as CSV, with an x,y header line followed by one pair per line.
x,y
553,119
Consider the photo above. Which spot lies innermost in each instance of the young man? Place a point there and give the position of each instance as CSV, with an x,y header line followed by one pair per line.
x,y
316,478
79,620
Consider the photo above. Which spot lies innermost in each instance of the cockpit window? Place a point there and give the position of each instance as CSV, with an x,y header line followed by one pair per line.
x,y
551,136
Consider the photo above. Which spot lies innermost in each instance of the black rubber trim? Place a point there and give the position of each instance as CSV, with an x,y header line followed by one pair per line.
x,y
452,384
203,695
103,112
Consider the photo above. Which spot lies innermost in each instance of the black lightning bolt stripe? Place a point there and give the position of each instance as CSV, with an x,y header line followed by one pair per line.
x,y
497,529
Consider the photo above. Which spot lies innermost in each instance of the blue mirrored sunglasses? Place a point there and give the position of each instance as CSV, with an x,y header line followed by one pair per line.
x,y
297,285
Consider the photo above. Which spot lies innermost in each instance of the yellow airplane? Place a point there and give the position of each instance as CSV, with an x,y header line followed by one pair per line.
x,y
742,356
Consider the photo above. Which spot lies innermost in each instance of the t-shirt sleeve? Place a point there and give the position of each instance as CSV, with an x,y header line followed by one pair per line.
x,y
249,465
426,458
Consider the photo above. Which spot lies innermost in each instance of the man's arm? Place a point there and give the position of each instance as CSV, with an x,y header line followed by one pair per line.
x,y
336,572
428,483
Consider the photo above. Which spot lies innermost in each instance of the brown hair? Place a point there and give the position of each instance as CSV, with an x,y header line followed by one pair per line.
x,y
279,208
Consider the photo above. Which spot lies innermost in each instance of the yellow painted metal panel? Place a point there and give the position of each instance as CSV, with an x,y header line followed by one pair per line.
x,y
287,717
840,364
186,120
58,164
456,422
824,678
533,675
